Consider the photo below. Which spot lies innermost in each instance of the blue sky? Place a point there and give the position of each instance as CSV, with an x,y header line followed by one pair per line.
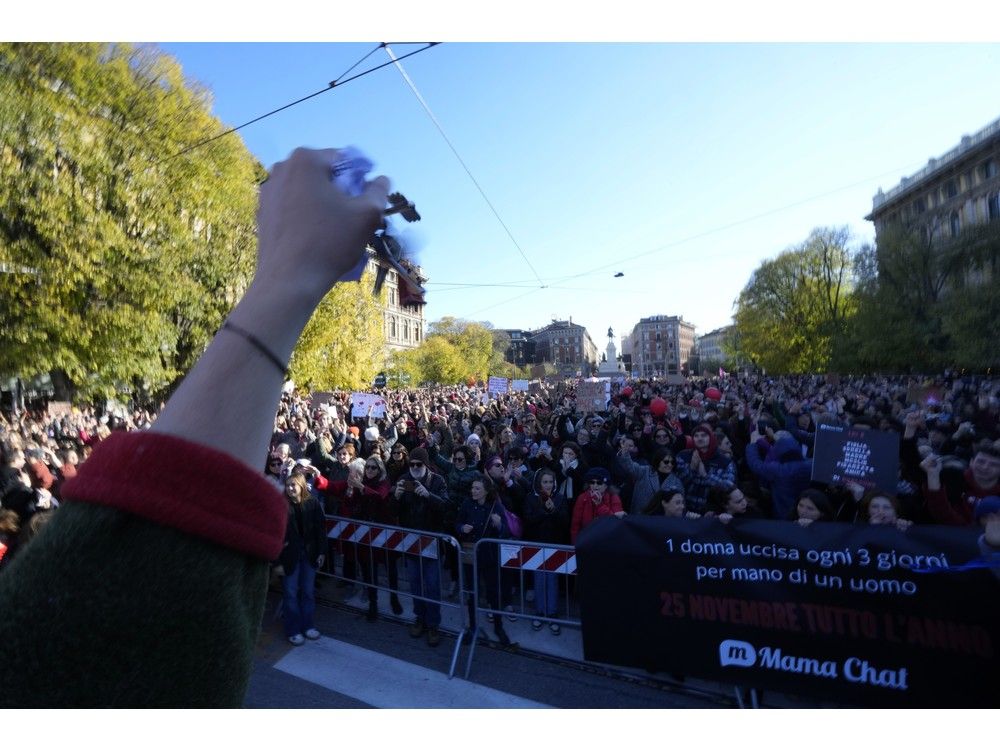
x,y
704,158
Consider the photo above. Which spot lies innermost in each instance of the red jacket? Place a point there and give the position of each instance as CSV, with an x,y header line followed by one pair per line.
x,y
585,510
943,511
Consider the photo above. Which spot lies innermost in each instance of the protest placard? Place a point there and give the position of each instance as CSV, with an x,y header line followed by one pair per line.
x,y
868,457
60,408
837,611
318,398
593,395
363,402
537,372
536,387
519,386
497,385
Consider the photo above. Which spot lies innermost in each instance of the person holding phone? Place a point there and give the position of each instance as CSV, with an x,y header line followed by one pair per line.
x,y
423,497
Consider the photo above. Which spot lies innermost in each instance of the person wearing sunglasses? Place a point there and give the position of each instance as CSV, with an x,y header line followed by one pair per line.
x,y
596,501
649,479
398,463
423,497
459,473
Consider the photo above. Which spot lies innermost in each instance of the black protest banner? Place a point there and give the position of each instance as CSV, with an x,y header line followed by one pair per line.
x,y
830,610
868,457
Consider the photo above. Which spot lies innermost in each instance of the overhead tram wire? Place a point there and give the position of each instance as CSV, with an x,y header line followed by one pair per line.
x,y
747,220
329,87
668,246
461,161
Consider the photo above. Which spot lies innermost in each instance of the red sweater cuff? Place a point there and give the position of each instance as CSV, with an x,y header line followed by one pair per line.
x,y
186,486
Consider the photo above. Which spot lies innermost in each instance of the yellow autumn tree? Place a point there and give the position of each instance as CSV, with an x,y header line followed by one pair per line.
x,y
343,344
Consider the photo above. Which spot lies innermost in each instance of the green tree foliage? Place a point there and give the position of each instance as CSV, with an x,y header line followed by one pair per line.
x,y
342,346
453,351
926,302
119,261
796,305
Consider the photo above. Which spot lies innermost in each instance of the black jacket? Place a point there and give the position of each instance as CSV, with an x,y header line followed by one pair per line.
x,y
424,513
306,529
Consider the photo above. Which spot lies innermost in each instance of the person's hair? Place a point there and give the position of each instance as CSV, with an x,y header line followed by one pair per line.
x,y
9,522
491,489
358,464
718,498
654,507
299,481
349,447
536,481
866,502
573,447
988,449
466,452
659,455
817,498
381,466
401,447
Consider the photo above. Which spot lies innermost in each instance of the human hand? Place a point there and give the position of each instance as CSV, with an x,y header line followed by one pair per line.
x,y
320,560
691,514
620,514
310,233
550,506
495,520
467,528
931,465
992,535
420,490
399,489
804,522
725,517
903,524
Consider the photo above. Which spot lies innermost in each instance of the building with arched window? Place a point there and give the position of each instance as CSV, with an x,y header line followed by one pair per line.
x,y
957,190
403,313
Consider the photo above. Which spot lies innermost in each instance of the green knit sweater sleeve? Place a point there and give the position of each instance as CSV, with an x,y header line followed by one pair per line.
x,y
147,587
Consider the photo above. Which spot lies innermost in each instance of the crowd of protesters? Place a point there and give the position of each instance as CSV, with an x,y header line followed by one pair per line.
x,y
541,466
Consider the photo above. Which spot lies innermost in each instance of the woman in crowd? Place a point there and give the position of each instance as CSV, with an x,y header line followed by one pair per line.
x,y
398,463
595,502
659,475
480,516
882,509
546,520
812,505
732,503
301,556
668,503
377,505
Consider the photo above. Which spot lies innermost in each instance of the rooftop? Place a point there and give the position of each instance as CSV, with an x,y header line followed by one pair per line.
x,y
968,143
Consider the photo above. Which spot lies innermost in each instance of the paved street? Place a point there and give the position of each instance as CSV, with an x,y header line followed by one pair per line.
x,y
358,664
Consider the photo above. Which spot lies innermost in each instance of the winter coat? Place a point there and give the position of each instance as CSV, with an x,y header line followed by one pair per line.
x,y
647,482
586,511
788,475
305,532
543,525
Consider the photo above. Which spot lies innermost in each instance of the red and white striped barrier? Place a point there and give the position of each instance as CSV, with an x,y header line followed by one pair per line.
x,y
538,558
393,540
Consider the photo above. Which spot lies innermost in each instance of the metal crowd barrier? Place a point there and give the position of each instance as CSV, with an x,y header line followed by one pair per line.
x,y
516,557
387,545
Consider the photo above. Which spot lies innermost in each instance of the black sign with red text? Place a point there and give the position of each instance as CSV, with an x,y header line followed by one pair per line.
x,y
862,615
868,457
